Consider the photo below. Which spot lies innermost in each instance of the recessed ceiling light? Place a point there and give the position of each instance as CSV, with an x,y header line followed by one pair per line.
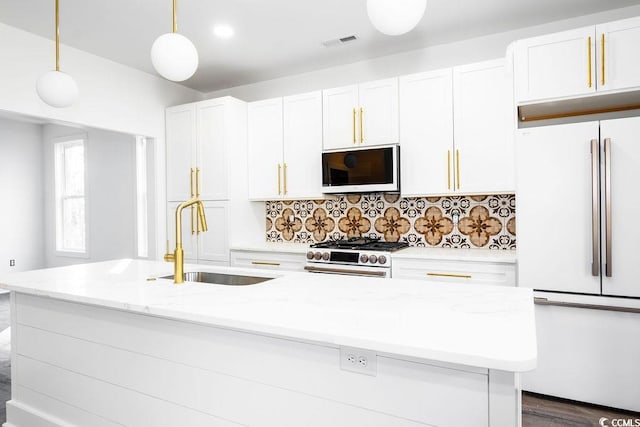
x,y
223,31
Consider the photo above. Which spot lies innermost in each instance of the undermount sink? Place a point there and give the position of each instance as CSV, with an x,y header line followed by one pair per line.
x,y
220,278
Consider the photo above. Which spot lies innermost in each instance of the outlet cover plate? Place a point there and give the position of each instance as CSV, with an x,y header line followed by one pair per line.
x,y
359,360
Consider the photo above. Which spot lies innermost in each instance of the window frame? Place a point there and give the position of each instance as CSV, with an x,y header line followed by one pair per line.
x,y
58,198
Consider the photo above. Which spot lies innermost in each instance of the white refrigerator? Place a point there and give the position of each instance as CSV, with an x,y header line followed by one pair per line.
x,y
578,243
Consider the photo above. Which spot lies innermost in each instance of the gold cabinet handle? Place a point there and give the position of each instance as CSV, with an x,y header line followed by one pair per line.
x,y
191,182
458,169
279,168
354,125
361,125
275,264
602,57
448,169
193,230
197,182
459,276
589,62
284,173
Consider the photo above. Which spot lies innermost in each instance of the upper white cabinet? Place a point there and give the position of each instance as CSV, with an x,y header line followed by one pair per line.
x,y
426,133
198,137
265,149
484,126
617,53
285,144
578,62
181,151
361,114
302,148
457,131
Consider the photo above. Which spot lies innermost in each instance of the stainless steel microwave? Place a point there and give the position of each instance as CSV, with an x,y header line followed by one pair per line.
x,y
361,170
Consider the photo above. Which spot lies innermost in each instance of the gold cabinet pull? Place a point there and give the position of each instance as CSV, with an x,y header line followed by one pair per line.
x,y
459,276
589,62
448,169
274,264
361,125
191,182
279,168
197,182
602,57
354,125
458,169
193,229
284,172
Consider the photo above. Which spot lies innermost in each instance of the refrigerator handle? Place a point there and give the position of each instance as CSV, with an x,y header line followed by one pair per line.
x,y
607,201
595,209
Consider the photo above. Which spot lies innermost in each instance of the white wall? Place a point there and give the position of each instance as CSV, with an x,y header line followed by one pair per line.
x,y
431,58
110,191
21,195
112,96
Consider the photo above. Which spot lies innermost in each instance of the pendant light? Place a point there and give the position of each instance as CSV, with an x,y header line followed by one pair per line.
x,y
173,55
56,88
395,17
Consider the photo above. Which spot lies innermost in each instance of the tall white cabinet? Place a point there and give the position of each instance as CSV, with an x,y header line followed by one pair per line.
x,y
457,130
202,139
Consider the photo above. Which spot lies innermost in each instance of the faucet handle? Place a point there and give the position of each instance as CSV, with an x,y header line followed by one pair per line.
x,y
169,257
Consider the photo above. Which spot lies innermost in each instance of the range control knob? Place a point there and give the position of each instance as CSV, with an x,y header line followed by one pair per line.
x,y
382,259
373,259
326,256
317,256
310,255
364,258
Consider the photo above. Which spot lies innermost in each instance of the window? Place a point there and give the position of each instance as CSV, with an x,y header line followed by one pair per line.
x,y
142,226
70,196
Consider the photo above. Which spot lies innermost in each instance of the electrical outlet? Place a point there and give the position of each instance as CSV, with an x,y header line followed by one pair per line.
x,y
12,263
358,360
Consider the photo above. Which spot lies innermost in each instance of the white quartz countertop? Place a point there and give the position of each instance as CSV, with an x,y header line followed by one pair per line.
x,y
484,326
479,255
294,248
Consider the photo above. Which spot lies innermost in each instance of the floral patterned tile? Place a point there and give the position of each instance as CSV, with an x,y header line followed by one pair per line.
x,y
487,221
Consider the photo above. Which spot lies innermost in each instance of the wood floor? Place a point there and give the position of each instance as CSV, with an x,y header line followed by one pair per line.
x,y
537,410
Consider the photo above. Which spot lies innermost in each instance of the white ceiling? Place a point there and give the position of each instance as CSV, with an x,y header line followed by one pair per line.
x,y
273,38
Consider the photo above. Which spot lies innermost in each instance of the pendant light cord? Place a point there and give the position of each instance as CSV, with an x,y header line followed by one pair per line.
x,y
175,16
57,36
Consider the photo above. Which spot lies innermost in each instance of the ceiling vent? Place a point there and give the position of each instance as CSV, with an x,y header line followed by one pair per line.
x,y
340,41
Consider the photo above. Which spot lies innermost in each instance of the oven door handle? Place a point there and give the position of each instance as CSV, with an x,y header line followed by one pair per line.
x,y
345,271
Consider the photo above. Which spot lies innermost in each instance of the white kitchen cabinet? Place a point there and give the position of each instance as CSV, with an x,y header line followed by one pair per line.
x,y
364,114
556,65
426,133
265,136
211,246
618,62
285,145
454,271
484,125
578,62
302,147
181,150
268,259
198,137
457,131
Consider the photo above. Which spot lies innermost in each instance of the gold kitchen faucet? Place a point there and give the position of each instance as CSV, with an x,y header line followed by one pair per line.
x,y
177,257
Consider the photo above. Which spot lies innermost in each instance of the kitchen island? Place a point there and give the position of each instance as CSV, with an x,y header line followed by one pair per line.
x,y
111,344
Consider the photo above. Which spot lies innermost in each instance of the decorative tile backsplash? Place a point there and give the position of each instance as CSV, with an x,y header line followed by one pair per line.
x,y
483,221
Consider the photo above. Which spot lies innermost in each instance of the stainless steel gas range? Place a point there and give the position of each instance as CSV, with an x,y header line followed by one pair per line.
x,y
356,256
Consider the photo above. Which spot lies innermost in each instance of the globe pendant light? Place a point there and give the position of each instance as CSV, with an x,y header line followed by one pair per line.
x,y
395,17
56,88
173,55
